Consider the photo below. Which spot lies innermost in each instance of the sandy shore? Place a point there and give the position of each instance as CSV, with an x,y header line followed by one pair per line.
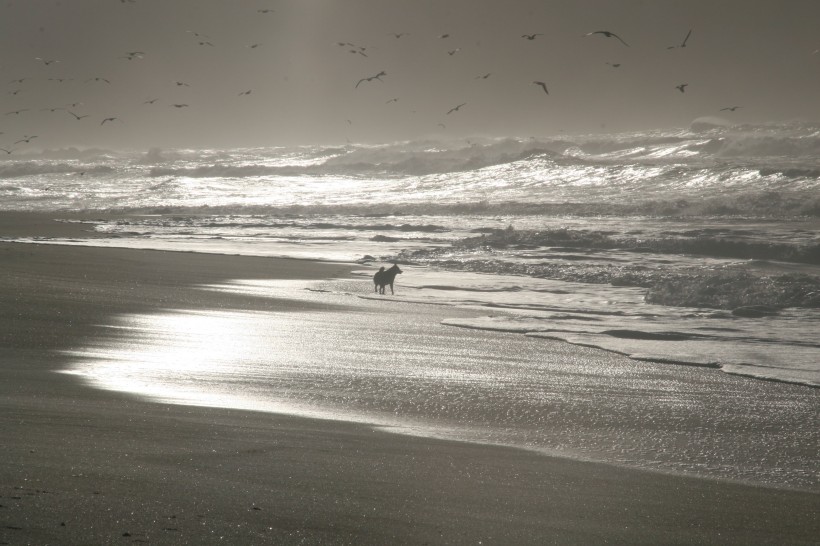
x,y
82,466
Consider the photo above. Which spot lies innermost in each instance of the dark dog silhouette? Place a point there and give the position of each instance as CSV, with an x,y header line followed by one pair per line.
x,y
383,277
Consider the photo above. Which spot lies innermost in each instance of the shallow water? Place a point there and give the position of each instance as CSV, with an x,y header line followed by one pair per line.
x,y
416,376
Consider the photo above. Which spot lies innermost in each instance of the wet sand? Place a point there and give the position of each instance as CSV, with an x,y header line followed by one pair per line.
x,y
82,466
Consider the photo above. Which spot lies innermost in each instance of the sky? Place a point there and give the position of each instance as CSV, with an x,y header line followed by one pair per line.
x,y
204,56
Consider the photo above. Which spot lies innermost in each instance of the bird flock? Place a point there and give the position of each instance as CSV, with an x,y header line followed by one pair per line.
x,y
73,110
77,112
362,51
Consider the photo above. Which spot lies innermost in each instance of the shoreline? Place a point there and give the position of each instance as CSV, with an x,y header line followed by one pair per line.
x,y
190,474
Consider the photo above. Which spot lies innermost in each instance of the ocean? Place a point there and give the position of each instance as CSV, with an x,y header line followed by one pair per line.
x,y
696,248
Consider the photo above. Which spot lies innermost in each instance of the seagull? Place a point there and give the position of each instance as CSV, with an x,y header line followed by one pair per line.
x,y
17,112
683,44
455,108
608,34
46,61
530,36
78,118
730,108
614,65
15,92
398,35
52,109
97,80
248,92
392,100
371,78
180,105
442,125
444,36
60,80
484,77
182,84
543,86
453,51
7,151
265,11
150,101
109,119
206,43
21,80
131,55
681,87
253,46
27,139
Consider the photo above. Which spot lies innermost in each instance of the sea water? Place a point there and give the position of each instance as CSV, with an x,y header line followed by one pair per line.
x,y
694,247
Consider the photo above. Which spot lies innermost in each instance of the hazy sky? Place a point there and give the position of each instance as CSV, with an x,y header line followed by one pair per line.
x,y
761,55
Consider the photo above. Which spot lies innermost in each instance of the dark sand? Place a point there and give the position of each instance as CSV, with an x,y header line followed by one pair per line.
x,y
81,466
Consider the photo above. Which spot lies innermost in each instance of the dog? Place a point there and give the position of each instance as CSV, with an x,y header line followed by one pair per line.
x,y
383,277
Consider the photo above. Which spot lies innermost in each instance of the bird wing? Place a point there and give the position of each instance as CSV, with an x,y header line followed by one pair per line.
x,y
683,44
619,38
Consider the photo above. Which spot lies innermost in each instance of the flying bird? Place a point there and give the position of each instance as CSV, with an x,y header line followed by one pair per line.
x,y
60,80
543,86
453,51
97,80
455,108
484,77
442,36
182,84
46,61
608,34
27,139
180,105
371,78
7,151
614,65
265,11
530,36
21,80
398,35
683,44
109,119
150,101
253,46
730,108
131,55
52,109
78,118
681,87
392,100
17,112
243,93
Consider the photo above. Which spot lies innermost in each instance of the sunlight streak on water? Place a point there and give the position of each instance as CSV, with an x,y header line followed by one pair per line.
x,y
412,375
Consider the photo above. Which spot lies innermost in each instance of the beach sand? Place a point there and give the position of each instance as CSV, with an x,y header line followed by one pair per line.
x,y
84,466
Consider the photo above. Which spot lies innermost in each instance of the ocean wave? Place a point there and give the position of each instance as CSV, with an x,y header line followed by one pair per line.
x,y
730,288
32,168
699,242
